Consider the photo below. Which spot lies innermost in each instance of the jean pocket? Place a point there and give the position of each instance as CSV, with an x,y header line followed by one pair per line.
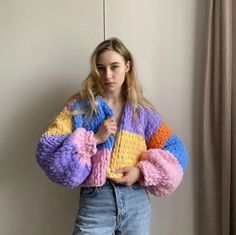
x,y
88,191
137,185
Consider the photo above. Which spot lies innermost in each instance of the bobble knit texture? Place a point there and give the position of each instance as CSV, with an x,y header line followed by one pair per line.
x,y
68,154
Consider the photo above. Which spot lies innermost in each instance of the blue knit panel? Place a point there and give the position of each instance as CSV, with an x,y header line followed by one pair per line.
x,y
94,123
177,148
78,119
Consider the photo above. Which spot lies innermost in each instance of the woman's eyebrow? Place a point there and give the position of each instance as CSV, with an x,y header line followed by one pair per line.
x,y
113,63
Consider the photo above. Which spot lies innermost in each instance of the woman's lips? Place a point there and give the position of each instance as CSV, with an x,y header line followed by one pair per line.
x,y
109,83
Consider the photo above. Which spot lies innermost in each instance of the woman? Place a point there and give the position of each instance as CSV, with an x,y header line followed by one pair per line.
x,y
110,141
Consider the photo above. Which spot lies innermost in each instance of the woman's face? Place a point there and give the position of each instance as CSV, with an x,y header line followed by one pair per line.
x,y
112,68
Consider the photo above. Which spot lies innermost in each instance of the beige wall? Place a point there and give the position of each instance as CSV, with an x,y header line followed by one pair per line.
x,y
44,52
166,39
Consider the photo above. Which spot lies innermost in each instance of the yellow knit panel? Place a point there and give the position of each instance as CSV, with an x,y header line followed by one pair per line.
x,y
61,125
126,152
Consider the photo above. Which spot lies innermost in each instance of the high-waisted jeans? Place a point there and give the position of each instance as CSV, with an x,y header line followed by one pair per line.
x,y
113,209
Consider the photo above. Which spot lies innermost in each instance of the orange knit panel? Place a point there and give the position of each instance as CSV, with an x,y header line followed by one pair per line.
x,y
160,137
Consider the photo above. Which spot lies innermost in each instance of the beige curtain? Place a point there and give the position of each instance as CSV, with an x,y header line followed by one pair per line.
x,y
218,136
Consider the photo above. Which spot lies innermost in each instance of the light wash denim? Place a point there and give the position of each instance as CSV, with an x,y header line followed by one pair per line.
x,y
113,209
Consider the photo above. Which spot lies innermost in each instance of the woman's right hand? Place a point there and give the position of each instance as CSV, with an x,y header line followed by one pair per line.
x,y
107,128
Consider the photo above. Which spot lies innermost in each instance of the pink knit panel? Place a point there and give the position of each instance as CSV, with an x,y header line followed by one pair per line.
x,y
100,163
162,172
85,144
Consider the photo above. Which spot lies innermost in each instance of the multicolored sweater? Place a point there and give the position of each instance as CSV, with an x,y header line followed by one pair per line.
x,y
68,153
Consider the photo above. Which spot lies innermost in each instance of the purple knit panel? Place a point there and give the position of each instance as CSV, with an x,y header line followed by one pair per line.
x,y
134,126
153,123
58,158
146,123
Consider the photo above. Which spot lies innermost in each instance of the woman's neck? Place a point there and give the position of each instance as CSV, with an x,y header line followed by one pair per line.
x,y
114,99
116,103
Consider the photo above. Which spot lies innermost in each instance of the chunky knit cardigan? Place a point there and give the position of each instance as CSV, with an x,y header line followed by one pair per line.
x,y
68,153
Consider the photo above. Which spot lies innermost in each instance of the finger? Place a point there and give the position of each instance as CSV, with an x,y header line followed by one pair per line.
x,y
122,170
113,133
111,119
122,180
110,124
112,129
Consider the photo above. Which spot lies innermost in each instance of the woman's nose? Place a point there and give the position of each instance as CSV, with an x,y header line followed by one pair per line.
x,y
108,73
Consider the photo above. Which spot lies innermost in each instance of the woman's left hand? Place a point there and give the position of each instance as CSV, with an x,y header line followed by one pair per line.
x,y
130,175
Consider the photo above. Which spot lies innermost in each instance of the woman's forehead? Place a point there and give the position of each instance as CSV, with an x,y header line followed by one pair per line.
x,y
109,57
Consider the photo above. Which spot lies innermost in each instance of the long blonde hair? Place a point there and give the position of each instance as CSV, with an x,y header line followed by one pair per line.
x,y
132,90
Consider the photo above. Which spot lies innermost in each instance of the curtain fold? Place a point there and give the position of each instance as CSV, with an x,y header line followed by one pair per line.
x,y
217,160
233,181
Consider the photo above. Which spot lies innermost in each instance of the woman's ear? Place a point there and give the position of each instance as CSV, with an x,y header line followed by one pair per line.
x,y
127,66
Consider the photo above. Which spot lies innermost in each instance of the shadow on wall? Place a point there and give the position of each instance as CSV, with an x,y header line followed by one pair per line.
x,y
30,202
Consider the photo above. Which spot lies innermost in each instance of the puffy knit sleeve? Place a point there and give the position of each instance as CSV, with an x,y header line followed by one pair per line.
x,y
64,154
166,158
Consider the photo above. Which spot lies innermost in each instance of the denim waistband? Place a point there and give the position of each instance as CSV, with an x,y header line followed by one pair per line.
x,y
110,184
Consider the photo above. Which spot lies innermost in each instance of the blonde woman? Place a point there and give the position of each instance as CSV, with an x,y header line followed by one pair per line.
x,y
110,141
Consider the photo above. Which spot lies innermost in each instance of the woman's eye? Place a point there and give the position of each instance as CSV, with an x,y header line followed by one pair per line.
x,y
100,69
114,67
